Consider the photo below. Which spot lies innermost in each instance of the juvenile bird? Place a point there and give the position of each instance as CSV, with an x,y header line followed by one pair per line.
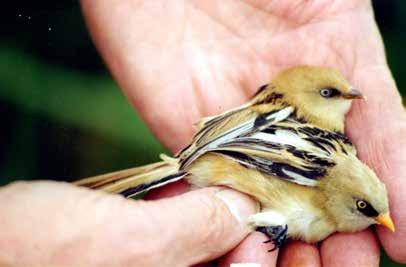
x,y
285,148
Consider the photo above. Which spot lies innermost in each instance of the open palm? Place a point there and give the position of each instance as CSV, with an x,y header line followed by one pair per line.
x,y
180,60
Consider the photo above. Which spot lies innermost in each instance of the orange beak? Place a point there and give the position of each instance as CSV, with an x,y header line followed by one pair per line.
x,y
385,220
353,94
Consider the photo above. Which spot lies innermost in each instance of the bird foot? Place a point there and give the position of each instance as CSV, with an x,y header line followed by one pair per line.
x,y
277,235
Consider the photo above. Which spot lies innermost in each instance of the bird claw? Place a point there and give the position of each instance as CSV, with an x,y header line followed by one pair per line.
x,y
277,235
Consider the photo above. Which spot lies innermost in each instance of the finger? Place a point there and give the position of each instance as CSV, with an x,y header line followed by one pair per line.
x,y
297,253
384,150
251,250
394,173
391,170
90,228
124,49
204,224
357,249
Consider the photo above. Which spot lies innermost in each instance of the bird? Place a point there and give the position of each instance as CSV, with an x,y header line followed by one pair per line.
x,y
286,148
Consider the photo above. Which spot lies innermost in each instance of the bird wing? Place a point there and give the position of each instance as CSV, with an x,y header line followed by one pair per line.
x,y
289,150
227,127
209,128
275,143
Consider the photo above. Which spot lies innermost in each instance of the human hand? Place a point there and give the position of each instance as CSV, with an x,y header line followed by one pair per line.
x,y
56,224
178,61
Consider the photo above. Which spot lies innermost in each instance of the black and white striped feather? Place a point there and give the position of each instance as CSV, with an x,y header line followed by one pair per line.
x,y
276,144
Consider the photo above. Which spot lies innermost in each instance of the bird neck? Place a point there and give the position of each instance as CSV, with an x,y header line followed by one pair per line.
x,y
330,122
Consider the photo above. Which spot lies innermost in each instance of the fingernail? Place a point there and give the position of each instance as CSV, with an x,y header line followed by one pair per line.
x,y
240,205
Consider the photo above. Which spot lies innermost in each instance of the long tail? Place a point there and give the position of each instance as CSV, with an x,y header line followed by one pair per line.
x,y
134,181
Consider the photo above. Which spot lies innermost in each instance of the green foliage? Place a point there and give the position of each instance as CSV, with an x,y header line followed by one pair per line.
x,y
89,102
93,104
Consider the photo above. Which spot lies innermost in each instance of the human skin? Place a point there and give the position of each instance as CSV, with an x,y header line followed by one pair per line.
x,y
57,224
180,60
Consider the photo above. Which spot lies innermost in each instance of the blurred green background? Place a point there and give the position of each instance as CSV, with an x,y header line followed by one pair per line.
x,y
64,117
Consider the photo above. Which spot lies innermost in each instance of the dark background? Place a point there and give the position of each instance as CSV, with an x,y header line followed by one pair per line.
x,y
63,116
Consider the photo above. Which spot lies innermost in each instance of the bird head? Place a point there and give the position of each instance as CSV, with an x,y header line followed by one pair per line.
x,y
356,198
321,96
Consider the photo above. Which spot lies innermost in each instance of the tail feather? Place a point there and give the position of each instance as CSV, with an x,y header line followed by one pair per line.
x,y
101,181
134,181
141,188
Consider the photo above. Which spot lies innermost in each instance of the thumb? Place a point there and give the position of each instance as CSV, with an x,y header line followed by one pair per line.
x,y
194,227
57,224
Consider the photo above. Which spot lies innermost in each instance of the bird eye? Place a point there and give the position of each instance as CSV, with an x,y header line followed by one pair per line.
x,y
366,208
329,92
361,204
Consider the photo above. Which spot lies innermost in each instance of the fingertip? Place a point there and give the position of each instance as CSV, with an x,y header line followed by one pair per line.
x,y
351,249
239,205
392,241
297,253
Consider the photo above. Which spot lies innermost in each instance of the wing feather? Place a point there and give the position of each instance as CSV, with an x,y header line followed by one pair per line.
x,y
289,149
275,143
282,160
250,126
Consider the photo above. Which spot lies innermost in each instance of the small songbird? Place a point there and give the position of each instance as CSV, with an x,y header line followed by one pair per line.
x,y
287,149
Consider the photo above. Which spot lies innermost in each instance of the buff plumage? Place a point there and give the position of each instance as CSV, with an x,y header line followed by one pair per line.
x,y
285,148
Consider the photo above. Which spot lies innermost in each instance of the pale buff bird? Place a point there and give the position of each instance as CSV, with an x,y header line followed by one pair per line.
x,y
285,148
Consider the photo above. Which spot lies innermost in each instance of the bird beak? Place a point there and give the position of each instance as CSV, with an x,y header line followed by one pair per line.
x,y
353,94
385,220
